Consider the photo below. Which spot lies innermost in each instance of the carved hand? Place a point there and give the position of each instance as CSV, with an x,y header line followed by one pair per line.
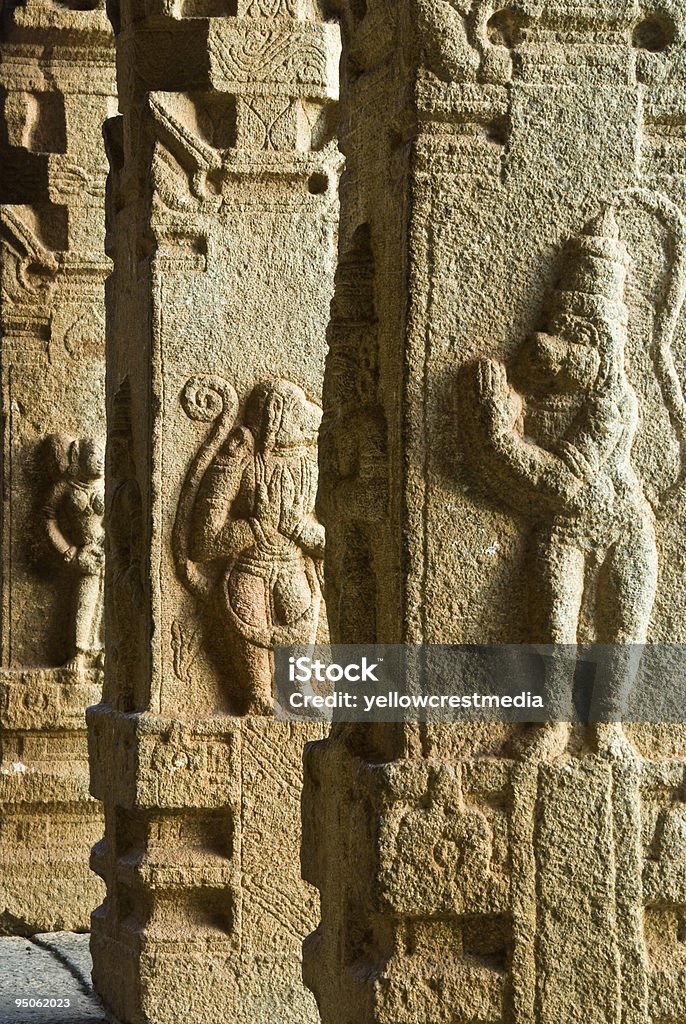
x,y
90,558
501,403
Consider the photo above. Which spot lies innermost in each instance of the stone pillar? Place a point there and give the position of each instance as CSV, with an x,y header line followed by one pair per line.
x,y
502,460
57,88
222,210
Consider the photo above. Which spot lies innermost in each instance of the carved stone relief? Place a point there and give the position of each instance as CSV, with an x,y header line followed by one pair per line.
x,y
468,41
221,222
246,535
501,173
73,516
561,448
57,85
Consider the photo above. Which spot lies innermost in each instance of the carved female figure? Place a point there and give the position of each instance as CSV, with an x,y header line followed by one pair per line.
x,y
73,515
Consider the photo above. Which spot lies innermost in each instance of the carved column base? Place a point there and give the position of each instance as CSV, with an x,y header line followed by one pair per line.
x,y
495,890
205,912
49,820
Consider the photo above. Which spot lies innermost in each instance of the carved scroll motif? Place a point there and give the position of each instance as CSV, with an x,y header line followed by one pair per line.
x,y
299,54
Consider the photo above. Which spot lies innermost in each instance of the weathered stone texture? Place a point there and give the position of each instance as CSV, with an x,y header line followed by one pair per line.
x,y
57,87
222,208
502,461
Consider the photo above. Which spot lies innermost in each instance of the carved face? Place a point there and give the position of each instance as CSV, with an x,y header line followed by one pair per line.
x,y
91,459
568,359
281,416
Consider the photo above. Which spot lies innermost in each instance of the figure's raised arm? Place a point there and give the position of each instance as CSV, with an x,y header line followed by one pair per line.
x,y
556,475
216,531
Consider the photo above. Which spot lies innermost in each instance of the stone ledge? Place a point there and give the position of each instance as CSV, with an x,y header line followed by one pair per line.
x,y
47,698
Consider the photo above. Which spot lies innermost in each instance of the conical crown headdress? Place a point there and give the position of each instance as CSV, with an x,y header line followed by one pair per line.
x,y
593,279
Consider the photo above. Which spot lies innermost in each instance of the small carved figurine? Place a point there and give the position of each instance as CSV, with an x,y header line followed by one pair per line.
x,y
73,515
248,504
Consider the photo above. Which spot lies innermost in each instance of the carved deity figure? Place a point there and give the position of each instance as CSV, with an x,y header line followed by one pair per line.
x,y
247,505
73,516
565,447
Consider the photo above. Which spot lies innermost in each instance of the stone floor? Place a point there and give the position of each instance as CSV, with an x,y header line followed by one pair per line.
x,y
53,969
